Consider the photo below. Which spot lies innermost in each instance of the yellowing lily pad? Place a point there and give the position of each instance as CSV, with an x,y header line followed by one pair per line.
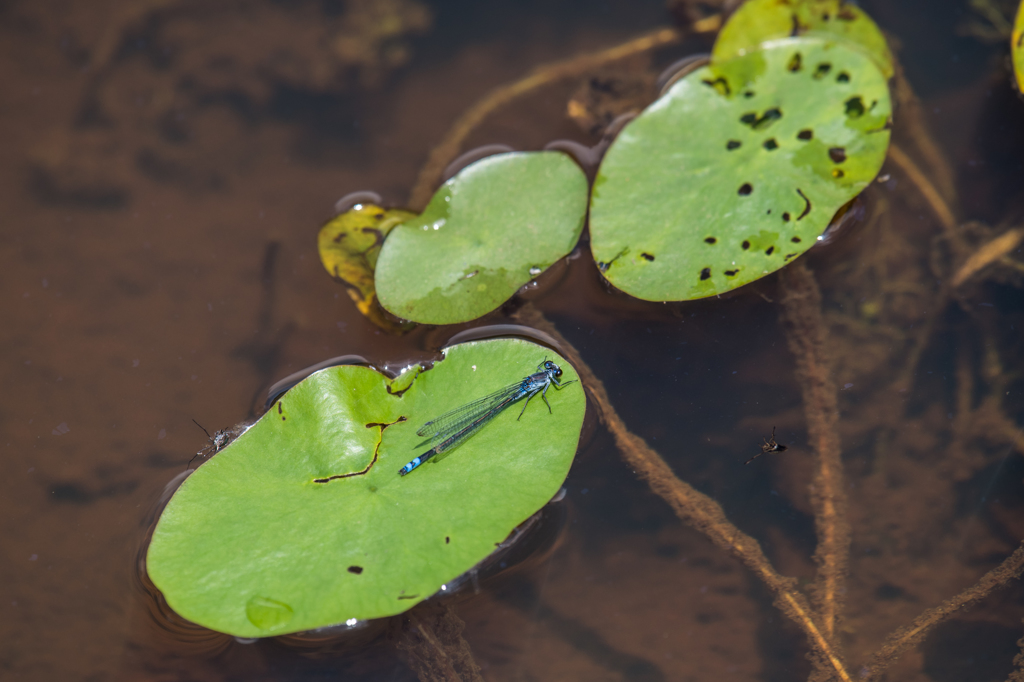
x,y
1017,47
489,230
738,168
303,521
349,245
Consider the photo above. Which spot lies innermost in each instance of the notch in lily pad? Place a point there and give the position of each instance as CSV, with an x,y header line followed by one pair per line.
x,y
487,231
303,521
709,188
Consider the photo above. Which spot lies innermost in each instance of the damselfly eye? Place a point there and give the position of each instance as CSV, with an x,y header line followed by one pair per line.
x,y
558,372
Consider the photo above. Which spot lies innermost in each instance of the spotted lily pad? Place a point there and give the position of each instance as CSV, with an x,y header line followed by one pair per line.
x,y
758,21
1017,46
738,169
349,245
303,521
488,231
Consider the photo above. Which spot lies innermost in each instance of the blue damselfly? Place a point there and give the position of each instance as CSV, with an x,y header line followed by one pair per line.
x,y
453,428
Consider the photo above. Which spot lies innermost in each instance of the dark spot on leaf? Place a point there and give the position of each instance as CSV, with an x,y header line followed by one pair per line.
x,y
603,267
731,273
647,256
408,596
279,407
763,121
805,134
732,144
705,274
745,189
720,85
745,245
790,255
795,240
769,211
807,209
837,173
748,93
825,16
795,62
768,118
710,240
379,216
447,539
769,250
843,77
785,216
770,144
355,569
337,240
822,70
837,154
854,107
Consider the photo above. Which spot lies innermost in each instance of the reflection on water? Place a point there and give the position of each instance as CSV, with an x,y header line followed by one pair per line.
x,y
168,168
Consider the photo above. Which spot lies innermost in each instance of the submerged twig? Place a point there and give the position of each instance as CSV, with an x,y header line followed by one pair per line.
x,y
808,339
695,508
928,191
449,146
435,649
908,635
915,126
988,254
1018,664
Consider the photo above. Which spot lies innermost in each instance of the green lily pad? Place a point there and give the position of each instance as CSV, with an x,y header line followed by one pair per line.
x,y
303,521
488,231
759,21
738,169
1017,46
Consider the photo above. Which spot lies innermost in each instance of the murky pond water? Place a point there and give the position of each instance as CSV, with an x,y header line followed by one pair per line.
x,y
167,166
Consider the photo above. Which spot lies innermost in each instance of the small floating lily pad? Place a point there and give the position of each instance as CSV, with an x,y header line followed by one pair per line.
x,y
349,245
738,169
303,521
758,21
488,231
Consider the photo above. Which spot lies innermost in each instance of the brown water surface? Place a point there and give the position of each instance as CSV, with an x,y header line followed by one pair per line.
x,y
166,168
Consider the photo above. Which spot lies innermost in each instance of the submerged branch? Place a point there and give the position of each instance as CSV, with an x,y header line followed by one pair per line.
x,y
914,125
808,339
449,147
908,635
928,191
989,253
693,507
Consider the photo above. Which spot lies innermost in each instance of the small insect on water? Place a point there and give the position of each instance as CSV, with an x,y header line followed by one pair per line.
x,y
218,441
769,446
453,428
